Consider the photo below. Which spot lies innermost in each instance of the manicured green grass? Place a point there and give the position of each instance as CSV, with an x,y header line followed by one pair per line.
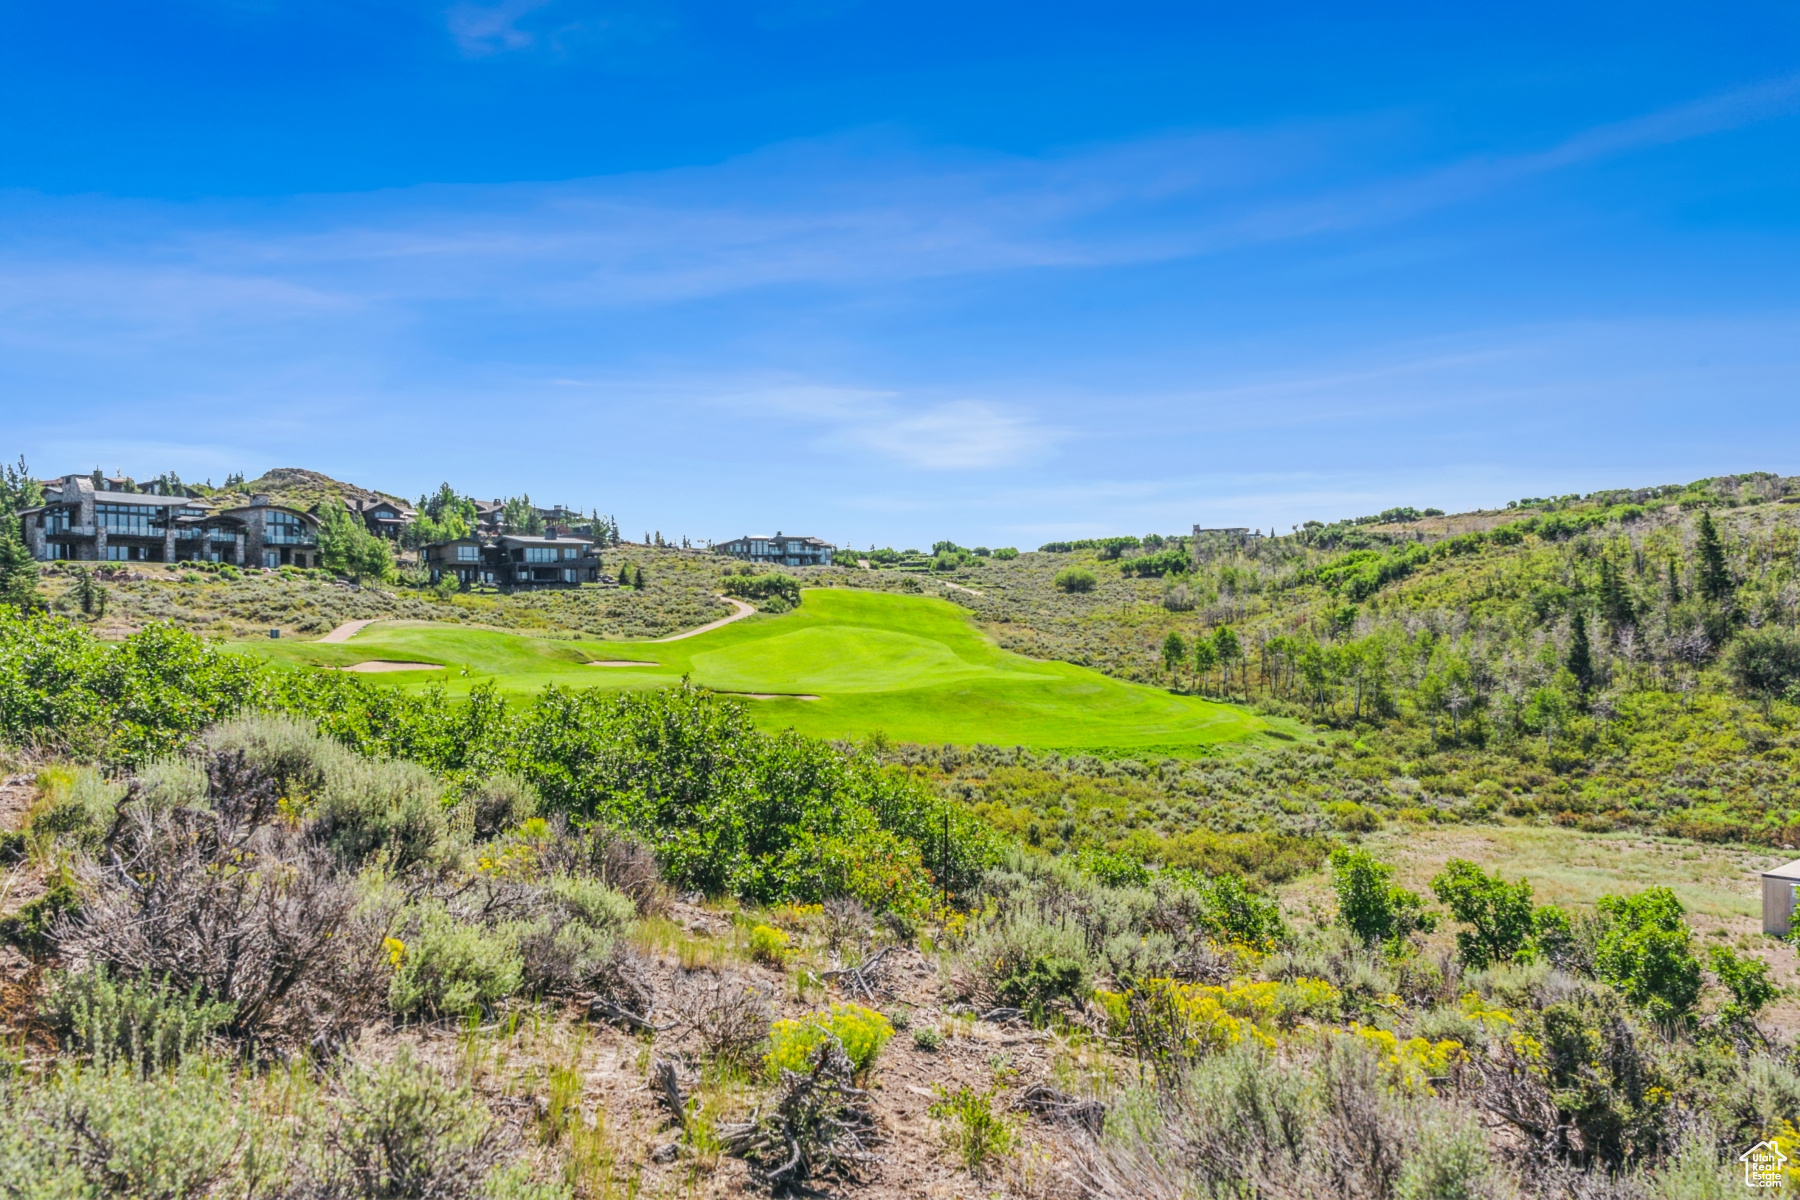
x,y
912,667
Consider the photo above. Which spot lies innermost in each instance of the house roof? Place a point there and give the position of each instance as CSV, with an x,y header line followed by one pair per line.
x,y
779,537
521,539
242,508
1788,871
143,498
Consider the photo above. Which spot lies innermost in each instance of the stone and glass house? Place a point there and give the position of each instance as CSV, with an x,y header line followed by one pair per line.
x,y
275,535
779,550
82,523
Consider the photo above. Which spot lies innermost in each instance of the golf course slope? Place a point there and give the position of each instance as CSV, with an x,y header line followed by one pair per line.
x,y
845,663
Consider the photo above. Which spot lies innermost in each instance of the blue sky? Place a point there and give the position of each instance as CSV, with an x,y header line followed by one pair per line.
x,y
889,273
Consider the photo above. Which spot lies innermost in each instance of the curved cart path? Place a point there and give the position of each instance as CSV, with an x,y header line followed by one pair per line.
x,y
348,630
743,610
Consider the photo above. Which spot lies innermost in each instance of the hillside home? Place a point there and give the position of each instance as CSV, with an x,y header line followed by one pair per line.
x,y
463,560
275,535
785,550
384,518
521,561
514,561
82,523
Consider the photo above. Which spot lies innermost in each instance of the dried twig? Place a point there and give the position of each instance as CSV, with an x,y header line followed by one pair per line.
x,y
863,978
668,1088
1047,1102
819,1124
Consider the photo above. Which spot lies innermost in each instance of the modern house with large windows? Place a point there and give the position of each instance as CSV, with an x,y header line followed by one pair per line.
x,y
464,560
514,561
275,535
780,550
80,522
384,518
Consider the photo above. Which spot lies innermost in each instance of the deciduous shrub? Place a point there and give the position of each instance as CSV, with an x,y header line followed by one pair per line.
x,y
772,593
1370,905
1075,579
1645,949
1501,915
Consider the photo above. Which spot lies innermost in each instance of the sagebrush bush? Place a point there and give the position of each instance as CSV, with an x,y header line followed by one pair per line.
x,y
448,966
396,808
1021,960
403,1131
233,905
287,749
729,1015
142,1024
75,805
594,904
500,801
110,1131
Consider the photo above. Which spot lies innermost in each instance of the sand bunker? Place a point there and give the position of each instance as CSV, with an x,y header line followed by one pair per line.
x,y
371,668
622,662
770,695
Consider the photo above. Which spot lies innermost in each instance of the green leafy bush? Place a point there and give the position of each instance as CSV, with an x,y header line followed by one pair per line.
x,y
1645,950
1748,981
764,589
1075,579
1370,905
1501,916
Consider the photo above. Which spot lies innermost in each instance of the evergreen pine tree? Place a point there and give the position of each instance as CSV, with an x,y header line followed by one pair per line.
x,y
18,574
638,580
1674,580
1615,601
1715,581
1581,655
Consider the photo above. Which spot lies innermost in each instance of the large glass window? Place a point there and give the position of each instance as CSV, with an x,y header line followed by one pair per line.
x,y
538,554
130,520
127,553
468,554
56,520
286,529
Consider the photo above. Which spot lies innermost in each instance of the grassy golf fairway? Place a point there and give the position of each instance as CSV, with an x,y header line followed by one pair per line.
x,y
914,667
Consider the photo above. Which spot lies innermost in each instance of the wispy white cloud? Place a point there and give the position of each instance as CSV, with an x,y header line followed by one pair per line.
x,y
962,435
483,29
846,213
